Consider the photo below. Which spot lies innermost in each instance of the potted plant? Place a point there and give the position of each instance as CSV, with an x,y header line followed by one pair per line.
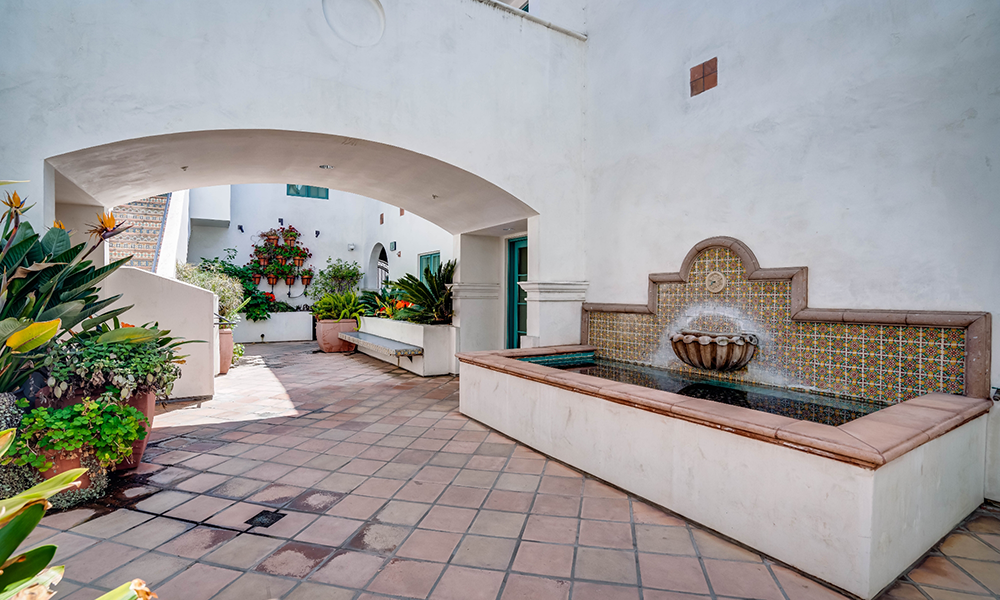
x,y
300,255
271,273
255,273
135,365
271,235
230,293
58,440
336,278
428,302
336,313
290,235
307,276
282,254
262,254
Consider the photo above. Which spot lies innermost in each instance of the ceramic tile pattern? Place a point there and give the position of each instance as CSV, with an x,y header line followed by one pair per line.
x,y
870,362
400,496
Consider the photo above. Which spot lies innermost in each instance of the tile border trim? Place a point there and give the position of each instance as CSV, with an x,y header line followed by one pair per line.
x,y
978,325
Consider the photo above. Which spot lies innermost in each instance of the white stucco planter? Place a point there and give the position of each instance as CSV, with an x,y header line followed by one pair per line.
x,y
440,343
281,327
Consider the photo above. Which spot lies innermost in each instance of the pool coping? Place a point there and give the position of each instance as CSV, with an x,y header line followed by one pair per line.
x,y
869,442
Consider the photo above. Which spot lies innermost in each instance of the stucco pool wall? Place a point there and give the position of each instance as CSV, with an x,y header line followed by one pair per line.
x,y
856,527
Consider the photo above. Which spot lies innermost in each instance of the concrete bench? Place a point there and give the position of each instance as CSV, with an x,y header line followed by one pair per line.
x,y
380,345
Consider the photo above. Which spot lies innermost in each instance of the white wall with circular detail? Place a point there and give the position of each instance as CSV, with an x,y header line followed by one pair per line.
x,y
357,22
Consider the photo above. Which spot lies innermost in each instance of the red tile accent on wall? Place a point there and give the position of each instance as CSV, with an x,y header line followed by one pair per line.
x,y
704,76
401,212
381,219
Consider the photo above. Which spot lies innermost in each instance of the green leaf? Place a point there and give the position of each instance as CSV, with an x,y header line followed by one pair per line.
x,y
103,318
15,254
122,592
56,241
19,528
11,326
130,335
66,311
88,280
46,578
26,566
33,336
10,507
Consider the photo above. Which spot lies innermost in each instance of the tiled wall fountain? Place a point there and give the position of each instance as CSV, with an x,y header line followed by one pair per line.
x,y
852,502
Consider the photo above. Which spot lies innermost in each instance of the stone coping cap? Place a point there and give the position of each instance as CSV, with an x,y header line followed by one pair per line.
x,y
870,441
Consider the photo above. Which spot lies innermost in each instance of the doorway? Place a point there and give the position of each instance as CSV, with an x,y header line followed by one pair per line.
x,y
517,303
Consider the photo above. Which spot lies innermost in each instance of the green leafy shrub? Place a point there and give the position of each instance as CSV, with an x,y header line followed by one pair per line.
x,y
430,299
101,428
258,305
338,307
229,289
335,278
238,351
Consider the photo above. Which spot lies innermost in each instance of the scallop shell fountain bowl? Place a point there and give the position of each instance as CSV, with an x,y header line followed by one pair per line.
x,y
714,351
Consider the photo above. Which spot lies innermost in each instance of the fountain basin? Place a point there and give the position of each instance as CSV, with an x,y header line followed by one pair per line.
x,y
714,351
854,505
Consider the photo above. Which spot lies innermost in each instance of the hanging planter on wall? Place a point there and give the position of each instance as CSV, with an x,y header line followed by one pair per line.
x,y
290,280
282,260
299,260
272,239
272,279
262,262
256,278
307,279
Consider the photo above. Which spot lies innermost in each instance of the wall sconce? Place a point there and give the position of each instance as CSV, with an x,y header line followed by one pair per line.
x,y
317,233
281,221
350,247
392,246
240,227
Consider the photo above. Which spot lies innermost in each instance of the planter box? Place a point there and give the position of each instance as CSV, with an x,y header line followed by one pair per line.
x,y
440,343
327,332
281,327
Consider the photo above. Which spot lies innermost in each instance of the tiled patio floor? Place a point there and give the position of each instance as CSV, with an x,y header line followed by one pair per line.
x,y
388,492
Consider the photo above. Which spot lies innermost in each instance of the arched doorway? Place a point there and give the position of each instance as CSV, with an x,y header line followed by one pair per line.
x,y
377,271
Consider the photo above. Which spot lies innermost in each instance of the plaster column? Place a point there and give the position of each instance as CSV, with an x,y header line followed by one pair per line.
x,y
476,293
554,312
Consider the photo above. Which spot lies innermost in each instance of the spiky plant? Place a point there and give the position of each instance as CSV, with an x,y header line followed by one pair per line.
x,y
431,298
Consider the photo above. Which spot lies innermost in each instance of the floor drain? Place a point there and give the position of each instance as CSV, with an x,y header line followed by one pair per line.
x,y
265,518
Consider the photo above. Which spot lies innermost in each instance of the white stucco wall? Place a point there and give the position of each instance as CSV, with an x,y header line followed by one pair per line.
x,y
211,206
176,230
859,139
342,220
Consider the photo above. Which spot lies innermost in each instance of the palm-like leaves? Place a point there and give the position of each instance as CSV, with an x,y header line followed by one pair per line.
x,y
431,298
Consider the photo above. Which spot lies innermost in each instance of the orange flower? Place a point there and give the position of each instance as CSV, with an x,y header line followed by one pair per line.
x,y
400,304
127,325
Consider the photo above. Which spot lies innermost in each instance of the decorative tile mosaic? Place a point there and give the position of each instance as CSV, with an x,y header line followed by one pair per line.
x,y
880,363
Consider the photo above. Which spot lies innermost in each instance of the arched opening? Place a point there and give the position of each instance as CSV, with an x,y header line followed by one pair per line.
x,y
377,271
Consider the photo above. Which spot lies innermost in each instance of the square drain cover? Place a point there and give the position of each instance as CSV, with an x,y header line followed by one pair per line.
x,y
265,518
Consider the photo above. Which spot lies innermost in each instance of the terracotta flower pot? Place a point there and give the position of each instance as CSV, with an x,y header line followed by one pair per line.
x,y
290,280
272,279
282,260
225,350
146,403
256,278
289,241
272,239
327,332
66,461
307,279
262,261
298,260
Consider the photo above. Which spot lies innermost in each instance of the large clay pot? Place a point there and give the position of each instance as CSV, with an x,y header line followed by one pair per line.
x,y
327,332
225,350
66,461
146,403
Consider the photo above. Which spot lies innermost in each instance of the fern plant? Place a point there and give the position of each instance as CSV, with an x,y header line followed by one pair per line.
x,y
431,298
338,307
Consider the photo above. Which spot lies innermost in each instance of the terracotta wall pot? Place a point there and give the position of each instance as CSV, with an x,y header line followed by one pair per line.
x,y
225,350
146,403
298,260
256,278
262,262
272,279
282,260
63,462
272,239
327,332
290,280
307,279
289,241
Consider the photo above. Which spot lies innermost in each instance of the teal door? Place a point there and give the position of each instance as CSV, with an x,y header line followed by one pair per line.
x,y
429,261
517,304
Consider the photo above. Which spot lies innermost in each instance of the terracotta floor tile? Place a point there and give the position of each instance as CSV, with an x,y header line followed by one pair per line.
x,y
315,591
256,586
447,518
962,545
243,551
202,482
199,582
112,524
557,506
516,482
407,578
939,594
197,542
377,537
289,525
348,569
199,508
100,559
561,486
397,471
528,466
477,479
544,559
984,524
616,566
294,559
650,594
235,466
678,573
402,513
316,501
557,530
276,494
664,540
360,466
606,534
424,544
484,552
379,488
510,501
583,590
596,489
68,544
798,587
606,509
644,513
498,524
268,471
236,516
238,488
151,567
939,572
465,497
260,452
340,482
420,492
744,580
528,587
486,463
356,507
986,573
712,546
203,461
461,583
69,519
152,533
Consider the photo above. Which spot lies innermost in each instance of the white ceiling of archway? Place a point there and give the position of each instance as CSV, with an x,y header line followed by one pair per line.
x,y
448,196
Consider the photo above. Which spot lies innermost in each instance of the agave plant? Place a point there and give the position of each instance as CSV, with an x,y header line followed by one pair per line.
x,y
27,575
431,299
